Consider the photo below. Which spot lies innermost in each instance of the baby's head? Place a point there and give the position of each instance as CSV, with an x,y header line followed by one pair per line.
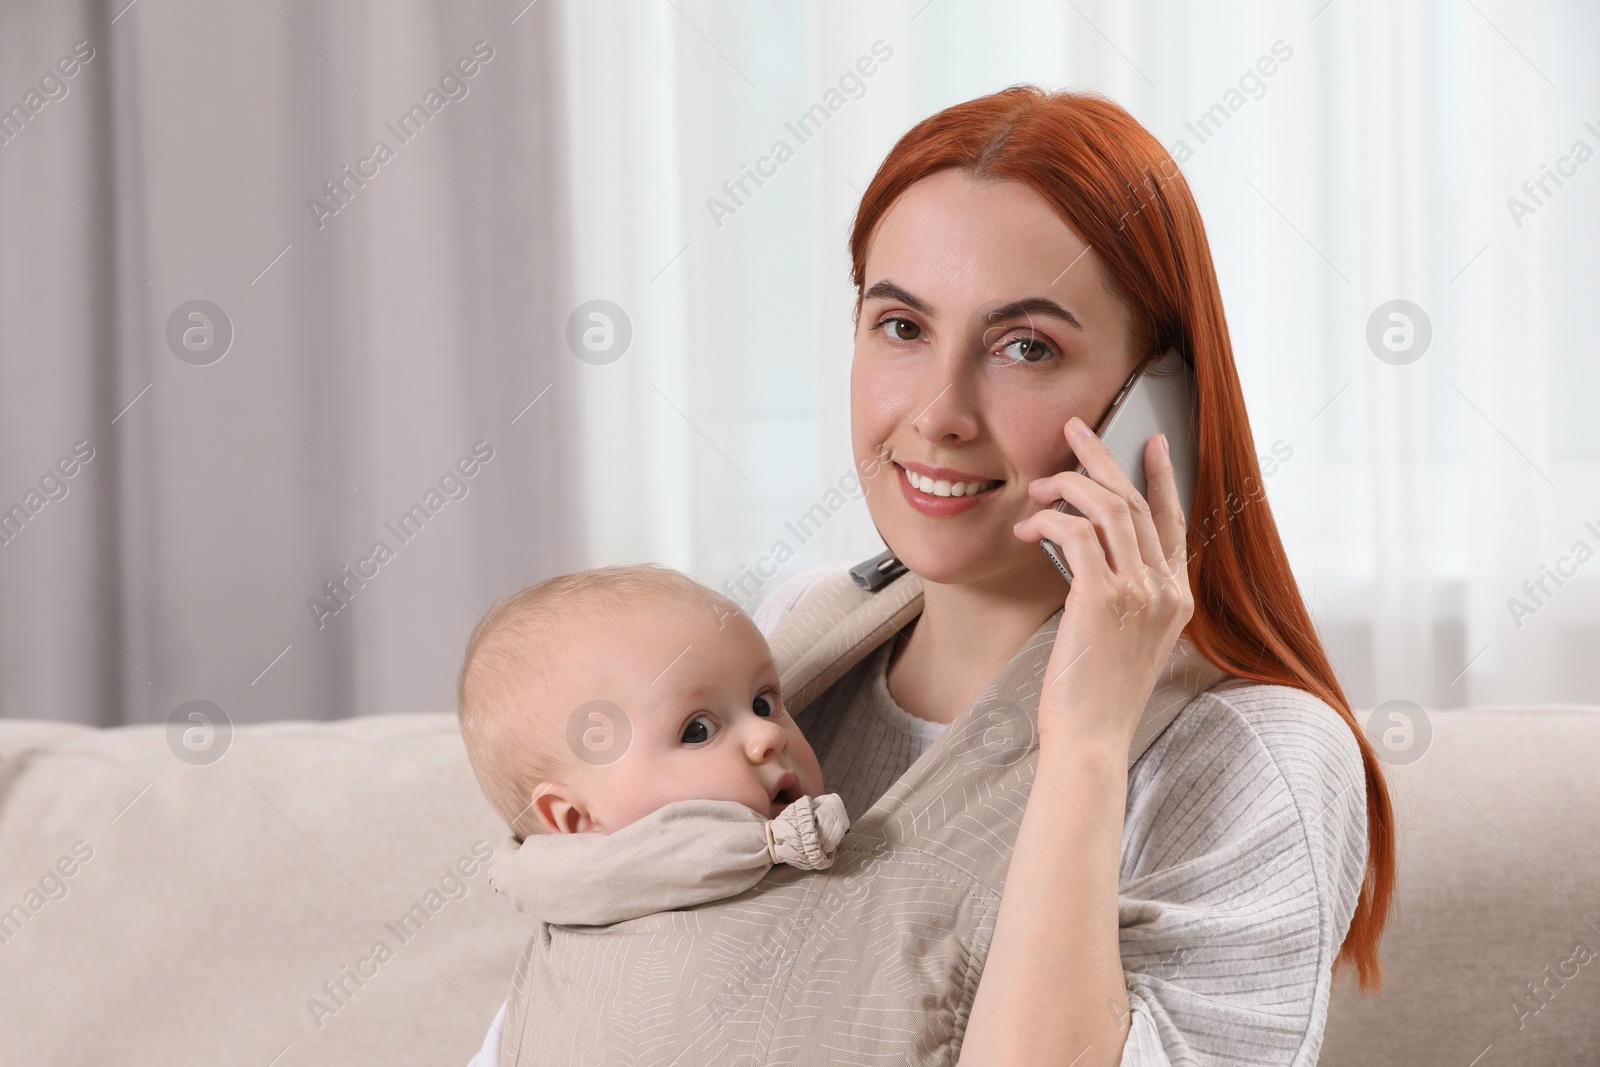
x,y
590,700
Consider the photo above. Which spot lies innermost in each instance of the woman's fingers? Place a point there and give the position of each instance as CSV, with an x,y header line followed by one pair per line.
x,y
1077,537
1105,469
1166,510
1108,512
1120,512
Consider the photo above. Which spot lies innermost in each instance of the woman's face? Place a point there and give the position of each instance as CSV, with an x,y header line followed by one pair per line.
x,y
985,324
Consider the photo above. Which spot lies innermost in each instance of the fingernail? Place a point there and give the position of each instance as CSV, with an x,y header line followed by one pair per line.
x,y
1165,450
1078,426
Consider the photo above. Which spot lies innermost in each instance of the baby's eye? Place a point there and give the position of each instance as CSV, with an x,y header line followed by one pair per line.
x,y
698,730
765,705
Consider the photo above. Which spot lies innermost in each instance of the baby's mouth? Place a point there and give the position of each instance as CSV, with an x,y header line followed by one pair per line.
x,y
785,792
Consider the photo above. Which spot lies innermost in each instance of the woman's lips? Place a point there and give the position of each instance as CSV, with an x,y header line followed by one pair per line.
x,y
940,507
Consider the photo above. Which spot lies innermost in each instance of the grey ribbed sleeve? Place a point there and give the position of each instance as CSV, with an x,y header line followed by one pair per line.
x,y
1243,852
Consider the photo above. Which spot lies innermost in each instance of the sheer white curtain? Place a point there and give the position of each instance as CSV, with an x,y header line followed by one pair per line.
x,y
1373,163
681,175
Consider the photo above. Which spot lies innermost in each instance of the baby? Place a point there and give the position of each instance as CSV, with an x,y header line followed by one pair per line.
x,y
627,724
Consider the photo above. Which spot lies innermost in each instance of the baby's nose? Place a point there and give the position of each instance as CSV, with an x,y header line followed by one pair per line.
x,y
765,739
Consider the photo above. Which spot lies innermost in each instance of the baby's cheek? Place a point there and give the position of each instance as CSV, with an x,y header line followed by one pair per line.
x,y
810,770
631,799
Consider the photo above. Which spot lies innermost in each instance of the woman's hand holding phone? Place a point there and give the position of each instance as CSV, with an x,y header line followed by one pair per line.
x,y
1129,599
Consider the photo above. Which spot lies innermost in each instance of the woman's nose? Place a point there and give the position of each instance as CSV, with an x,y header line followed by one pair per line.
x,y
947,397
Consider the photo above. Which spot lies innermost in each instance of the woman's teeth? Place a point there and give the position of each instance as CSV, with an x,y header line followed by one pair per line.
x,y
943,488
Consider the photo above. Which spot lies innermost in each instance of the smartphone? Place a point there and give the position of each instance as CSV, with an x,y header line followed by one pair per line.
x,y
1157,398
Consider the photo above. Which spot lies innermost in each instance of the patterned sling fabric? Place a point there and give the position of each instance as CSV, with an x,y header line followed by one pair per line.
x,y
875,960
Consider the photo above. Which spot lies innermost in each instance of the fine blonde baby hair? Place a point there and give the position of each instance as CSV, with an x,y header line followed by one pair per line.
x,y
514,740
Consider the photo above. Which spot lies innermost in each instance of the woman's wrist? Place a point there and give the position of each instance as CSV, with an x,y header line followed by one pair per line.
x,y
1076,749
1088,776
1053,987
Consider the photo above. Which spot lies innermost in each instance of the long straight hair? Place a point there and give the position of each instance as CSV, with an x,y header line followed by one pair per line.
x,y
1120,191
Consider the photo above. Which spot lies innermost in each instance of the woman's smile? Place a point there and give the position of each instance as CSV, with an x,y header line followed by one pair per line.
x,y
939,492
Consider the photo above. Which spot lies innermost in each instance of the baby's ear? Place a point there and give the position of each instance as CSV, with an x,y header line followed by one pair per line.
x,y
555,809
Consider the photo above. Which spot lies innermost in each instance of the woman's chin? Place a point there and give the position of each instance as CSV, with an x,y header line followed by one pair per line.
x,y
942,562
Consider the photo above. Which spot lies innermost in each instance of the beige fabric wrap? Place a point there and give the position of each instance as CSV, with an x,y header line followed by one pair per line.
x,y
686,853
880,954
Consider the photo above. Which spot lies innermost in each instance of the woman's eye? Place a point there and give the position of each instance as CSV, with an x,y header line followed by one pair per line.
x,y
699,730
1028,349
764,705
893,326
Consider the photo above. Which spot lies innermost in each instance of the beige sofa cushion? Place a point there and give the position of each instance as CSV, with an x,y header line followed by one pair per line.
x,y
218,899
1499,878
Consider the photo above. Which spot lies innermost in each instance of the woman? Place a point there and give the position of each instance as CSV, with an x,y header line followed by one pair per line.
x,y
1065,208
1016,257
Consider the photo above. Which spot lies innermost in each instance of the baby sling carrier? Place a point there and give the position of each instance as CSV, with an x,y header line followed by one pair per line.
x,y
873,961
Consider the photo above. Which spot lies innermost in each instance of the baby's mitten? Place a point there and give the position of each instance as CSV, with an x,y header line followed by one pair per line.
x,y
807,832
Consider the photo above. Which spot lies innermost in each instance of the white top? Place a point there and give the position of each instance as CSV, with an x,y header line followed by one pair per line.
x,y
1243,851
875,739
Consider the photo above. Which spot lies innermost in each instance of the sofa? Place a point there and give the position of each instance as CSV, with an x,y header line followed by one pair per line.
x,y
300,893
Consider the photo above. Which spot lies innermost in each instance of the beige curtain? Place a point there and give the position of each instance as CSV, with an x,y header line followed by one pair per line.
x,y
373,322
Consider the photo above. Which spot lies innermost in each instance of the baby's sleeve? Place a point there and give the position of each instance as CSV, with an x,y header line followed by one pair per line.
x,y
687,853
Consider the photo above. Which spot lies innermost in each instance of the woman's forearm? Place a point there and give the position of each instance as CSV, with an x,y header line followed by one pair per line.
x,y
1052,990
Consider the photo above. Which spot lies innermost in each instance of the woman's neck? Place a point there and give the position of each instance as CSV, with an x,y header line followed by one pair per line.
x,y
961,641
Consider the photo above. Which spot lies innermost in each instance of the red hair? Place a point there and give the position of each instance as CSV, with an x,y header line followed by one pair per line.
x,y
1119,190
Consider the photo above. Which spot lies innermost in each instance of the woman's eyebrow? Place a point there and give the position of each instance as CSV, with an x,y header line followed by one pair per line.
x,y
890,291
1034,305
1017,309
